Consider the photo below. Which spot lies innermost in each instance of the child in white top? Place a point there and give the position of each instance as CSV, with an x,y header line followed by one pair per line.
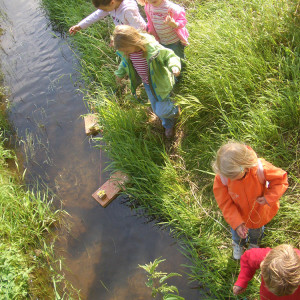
x,y
123,12
166,21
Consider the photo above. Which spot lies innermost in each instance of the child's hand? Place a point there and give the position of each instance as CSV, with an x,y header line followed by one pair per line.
x,y
238,290
170,21
242,231
175,71
261,200
74,29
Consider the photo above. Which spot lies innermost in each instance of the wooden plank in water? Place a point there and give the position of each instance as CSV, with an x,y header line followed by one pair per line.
x,y
111,188
91,124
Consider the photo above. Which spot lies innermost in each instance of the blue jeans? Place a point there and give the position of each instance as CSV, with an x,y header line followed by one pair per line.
x,y
254,236
177,47
165,109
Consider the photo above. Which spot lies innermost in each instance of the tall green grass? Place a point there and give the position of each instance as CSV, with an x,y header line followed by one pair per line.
x,y
241,82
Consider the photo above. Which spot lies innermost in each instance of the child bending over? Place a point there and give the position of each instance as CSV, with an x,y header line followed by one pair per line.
x,y
145,61
166,21
122,12
247,190
280,272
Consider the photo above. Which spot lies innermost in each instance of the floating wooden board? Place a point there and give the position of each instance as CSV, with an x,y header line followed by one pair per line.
x,y
91,124
111,188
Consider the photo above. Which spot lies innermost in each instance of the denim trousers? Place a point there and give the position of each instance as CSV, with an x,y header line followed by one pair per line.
x,y
177,47
165,109
254,236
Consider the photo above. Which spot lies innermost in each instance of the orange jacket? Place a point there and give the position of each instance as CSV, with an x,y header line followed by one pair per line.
x,y
237,200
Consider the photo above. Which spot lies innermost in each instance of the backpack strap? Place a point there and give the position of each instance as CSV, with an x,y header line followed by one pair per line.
x,y
224,180
260,172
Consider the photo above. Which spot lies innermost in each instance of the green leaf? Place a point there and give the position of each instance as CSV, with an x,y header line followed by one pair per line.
x,y
149,283
164,278
172,297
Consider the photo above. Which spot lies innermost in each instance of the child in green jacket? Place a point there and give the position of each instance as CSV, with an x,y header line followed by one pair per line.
x,y
145,61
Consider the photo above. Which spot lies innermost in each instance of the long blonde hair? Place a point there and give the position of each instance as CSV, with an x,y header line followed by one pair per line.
x,y
281,270
125,35
233,158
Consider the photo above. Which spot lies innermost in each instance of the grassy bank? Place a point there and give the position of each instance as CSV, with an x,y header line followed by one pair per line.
x,y
241,82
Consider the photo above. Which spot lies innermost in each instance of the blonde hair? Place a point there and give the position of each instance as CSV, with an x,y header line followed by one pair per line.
x,y
125,35
232,158
281,270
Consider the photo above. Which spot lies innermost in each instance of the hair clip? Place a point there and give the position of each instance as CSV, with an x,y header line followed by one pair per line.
x,y
242,169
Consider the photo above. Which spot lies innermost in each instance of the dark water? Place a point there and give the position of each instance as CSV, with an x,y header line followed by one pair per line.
x,y
104,246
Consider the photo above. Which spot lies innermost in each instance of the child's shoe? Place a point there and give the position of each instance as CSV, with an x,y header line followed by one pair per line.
x,y
169,132
252,246
237,251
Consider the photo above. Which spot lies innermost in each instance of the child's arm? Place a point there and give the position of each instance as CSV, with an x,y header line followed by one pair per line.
x,y
92,18
176,20
134,19
278,182
74,29
170,60
226,204
121,72
250,262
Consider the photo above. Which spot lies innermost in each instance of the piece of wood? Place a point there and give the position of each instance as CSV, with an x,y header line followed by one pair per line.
x,y
111,188
91,124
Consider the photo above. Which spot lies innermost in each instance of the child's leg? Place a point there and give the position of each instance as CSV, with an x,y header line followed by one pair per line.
x,y
255,235
178,49
238,244
165,110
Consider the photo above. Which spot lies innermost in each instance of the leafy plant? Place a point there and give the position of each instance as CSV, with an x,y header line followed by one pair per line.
x,y
14,273
156,281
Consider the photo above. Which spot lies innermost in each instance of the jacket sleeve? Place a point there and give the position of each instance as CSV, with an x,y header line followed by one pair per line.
x,y
169,58
121,72
92,18
134,19
250,262
278,182
226,204
178,14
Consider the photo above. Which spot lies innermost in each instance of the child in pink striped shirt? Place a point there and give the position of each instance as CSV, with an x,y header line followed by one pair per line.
x,y
166,21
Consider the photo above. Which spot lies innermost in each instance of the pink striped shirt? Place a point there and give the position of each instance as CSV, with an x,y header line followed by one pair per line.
x,y
140,64
166,33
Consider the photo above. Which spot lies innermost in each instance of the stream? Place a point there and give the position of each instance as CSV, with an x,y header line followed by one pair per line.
x,y
104,246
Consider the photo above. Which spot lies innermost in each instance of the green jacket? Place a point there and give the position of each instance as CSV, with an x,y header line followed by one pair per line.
x,y
160,61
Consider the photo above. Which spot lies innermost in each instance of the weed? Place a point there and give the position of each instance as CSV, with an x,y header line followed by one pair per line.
x,y
156,281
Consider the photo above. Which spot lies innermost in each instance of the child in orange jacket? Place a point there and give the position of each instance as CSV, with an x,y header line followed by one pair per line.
x,y
247,190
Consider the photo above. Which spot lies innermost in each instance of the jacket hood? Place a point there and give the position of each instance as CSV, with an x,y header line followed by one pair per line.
x,y
151,46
